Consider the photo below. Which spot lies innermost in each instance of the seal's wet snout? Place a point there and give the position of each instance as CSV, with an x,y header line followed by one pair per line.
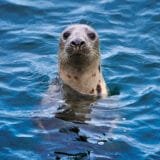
x,y
77,43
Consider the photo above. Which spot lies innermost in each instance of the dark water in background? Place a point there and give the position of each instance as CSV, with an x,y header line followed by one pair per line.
x,y
124,126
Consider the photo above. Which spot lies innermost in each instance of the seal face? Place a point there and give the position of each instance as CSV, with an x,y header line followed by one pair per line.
x,y
79,60
79,45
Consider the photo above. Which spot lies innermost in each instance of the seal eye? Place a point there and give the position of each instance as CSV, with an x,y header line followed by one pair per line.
x,y
92,35
66,35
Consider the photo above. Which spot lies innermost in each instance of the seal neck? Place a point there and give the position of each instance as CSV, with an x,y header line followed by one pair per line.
x,y
82,79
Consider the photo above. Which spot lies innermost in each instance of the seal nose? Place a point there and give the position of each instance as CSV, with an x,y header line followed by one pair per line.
x,y
77,42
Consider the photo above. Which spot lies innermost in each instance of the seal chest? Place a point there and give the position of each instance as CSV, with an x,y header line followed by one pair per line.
x,y
79,60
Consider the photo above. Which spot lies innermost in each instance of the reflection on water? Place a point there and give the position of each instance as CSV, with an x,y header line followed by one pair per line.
x,y
90,122
75,111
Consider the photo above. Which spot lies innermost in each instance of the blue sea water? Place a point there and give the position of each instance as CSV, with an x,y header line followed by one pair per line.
x,y
124,126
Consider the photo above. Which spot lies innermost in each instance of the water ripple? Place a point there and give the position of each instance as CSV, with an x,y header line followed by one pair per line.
x,y
123,126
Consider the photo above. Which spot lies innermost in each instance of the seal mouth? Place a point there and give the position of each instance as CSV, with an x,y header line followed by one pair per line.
x,y
77,50
78,55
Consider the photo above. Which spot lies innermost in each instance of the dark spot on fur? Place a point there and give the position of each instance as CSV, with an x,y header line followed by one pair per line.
x,y
92,91
99,81
94,74
99,89
68,76
99,68
75,77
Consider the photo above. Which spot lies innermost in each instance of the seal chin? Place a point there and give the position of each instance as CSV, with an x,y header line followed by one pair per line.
x,y
78,60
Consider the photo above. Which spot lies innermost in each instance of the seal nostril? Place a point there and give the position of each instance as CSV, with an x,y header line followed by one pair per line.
x,y
73,43
77,42
82,43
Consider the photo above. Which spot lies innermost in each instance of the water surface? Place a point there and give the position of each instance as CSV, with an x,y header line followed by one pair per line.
x,y
123,126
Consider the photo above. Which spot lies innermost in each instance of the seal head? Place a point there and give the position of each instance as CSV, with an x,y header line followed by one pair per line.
x,y
79,45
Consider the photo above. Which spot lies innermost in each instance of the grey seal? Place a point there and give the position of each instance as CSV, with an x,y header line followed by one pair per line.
x,y
80,74
79,60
